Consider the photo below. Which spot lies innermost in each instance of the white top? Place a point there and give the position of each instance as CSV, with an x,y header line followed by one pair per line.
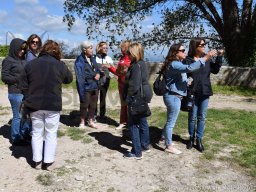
x,y
105,60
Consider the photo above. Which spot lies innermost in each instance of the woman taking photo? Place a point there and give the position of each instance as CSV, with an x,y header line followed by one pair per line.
x,y
137,75
202,90
87,77
176,82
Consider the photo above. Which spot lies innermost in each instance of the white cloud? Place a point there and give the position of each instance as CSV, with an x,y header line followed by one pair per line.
x,y
26,2
3,16
51,23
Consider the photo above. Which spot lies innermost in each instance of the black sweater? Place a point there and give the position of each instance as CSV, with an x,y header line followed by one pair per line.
x,y
201,78
41,83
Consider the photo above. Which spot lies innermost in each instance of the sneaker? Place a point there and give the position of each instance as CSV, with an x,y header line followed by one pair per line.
x,y
132,156
81,125
37,165
121,126
146,150
173,151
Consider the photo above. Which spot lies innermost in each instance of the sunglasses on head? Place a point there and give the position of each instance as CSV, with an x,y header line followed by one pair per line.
x,y
181,50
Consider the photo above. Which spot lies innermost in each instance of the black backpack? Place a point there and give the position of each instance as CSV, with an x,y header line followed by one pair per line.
x,y
159,86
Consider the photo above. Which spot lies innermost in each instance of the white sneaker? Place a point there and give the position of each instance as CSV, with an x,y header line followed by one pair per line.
x,y
121,126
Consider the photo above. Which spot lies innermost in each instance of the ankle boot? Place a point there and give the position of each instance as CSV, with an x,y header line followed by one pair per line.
x,y
190,143
199,145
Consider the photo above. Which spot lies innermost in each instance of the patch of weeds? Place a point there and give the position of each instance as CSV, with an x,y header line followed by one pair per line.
x,y
74,169
45,180
82,157
218,182
76,133
62,171
97,154
87,139
111,189
60,133
162,189
70,161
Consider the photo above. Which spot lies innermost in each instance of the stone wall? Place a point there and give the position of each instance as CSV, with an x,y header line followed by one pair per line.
x,y
239,76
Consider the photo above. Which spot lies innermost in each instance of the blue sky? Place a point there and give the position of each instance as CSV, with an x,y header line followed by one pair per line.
x,y
24,17
20,18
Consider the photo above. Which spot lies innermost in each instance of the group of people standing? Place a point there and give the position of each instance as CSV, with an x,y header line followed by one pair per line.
x,y
34,74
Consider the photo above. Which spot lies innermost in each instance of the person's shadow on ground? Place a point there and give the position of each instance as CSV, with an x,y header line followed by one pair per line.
x,y
73,119
111,141
17,151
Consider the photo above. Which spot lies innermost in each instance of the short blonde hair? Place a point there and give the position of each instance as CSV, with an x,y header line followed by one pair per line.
x,y
85,45
125,44
136,51
100,44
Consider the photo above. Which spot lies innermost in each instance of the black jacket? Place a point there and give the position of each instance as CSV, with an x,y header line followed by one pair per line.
x,y
201,78
137,72
12,66
41,83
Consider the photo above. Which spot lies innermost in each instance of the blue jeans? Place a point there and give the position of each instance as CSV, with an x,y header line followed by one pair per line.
x,y
15,100
199,112
172,103
139,132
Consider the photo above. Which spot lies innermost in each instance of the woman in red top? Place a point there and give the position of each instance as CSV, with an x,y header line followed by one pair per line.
x,y
121,71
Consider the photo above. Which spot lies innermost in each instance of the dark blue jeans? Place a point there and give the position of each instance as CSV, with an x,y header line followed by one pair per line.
x,y
198,113
15,100
139,132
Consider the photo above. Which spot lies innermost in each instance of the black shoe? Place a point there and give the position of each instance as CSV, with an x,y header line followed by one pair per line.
x,y
199,145
21,143
190,143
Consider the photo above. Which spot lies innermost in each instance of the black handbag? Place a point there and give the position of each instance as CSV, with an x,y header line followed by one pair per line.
x,y
139,106
159,85
187,102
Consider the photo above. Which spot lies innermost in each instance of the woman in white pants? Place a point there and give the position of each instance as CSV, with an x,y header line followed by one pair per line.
x,y
41,85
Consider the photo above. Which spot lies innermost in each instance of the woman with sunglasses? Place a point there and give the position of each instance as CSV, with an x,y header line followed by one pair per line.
x,y
34,46
176,82
12,67
103,58
202,89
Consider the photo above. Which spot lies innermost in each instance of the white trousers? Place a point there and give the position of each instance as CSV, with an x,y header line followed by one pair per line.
x,y
44,127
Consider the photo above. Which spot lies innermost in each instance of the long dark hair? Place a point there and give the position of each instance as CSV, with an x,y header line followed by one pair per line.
x,y
171,56
193,44
30,39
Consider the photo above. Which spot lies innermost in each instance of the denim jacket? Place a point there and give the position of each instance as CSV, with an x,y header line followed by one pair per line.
x,y
176,76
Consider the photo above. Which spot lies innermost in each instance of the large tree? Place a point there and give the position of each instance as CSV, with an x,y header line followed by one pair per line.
x,y
228,23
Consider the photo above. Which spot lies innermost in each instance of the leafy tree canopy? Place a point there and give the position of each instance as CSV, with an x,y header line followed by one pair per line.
x,y
227,23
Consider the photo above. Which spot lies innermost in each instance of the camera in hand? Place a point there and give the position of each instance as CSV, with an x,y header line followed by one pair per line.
x,y
190,98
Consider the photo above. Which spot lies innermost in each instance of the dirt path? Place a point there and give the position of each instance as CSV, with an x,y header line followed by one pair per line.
x,y
99,165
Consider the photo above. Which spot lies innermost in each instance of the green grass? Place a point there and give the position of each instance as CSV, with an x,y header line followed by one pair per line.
x,y
217,89
75,133
228,132
231,90
45,179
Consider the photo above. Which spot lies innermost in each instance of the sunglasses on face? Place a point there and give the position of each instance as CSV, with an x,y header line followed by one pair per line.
x,y
202,45
181,50
34,42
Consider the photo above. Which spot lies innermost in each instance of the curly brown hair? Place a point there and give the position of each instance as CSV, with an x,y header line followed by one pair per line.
x,y
52,48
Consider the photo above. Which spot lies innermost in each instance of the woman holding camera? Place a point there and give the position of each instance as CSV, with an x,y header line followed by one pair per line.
x,y
176,82
202,90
